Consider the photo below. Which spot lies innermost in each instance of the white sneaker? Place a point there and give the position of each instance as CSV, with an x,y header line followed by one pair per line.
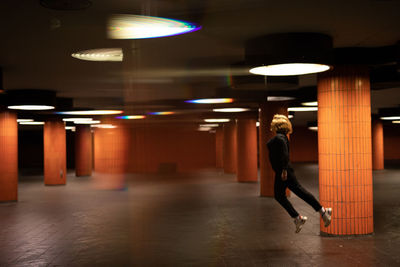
x,y
299,221
327,216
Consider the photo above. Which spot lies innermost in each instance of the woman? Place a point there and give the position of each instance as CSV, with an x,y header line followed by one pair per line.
x,y
284,174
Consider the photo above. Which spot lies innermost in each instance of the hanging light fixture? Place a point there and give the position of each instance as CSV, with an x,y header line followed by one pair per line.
x,y
31,99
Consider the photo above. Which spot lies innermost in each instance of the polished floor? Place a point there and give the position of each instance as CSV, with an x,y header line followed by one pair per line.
x,y
201,219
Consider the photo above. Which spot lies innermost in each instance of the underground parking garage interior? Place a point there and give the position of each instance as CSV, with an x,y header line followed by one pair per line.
x,y
134,133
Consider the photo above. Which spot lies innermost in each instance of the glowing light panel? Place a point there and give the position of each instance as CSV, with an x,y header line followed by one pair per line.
x,y
391,118
162,113
131,117
31,107
71,128
91,112
395,121
102,54
310,104
230,109
24,120
303,109
77,119
279,98
210,101
87,122
211,125
290,116
289,69
32,123
216,120
104,126
124,26
313,128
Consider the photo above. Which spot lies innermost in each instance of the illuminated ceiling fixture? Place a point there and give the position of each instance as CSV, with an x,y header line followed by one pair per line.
x,y
216,120
395,121
230,109
162,113
204,129
310,104
77,119
24,120
123,26
313,128
303,109
131,117
389,118
102,54
31,107
104,126
71,128
257,124
31,99
87,122
209,125
290,116
279,98
286,54
32,123
210,101
90,112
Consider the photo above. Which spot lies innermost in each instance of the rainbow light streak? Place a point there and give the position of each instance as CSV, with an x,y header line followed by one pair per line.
x,y
123,26
162,113
210,101
131,117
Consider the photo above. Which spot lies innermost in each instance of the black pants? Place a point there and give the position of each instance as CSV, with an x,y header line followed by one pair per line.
x,y
294,186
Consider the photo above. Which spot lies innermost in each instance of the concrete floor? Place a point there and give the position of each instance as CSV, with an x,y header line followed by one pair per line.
x,y
202,219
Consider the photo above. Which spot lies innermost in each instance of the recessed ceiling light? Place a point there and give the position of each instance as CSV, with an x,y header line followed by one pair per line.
x,y
104,126
131,117
216,120
230,109
124,26
102,54
310,104
209,125
391,118
290,116
32,123
162,113
31,107
90,112
303,109
289,69
24,120
204,129
279,98
395,121
313,128
87,122
210,101
72,128
77,119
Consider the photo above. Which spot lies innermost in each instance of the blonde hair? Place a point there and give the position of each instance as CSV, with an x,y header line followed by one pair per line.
x,y
281,124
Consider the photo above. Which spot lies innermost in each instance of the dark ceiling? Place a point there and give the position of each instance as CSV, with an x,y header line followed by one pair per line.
x,y
37,43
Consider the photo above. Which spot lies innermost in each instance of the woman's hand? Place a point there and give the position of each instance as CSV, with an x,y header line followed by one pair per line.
x,y
284,175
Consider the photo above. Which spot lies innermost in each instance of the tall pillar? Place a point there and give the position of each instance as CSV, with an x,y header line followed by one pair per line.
x,y
8,156
83,150
377,145
55,162
344,145
247,170
230,148
111,148
219,138
267,175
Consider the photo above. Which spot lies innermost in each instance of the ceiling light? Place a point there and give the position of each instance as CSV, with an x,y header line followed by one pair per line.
x,y
310,104
303,109
313,128
86,122
290,116
289,69
90,112
391,118
204,129
24,120
209,125
124,26
104,126
132,117
32,123
216,120
257,124
162,113
210,101
395,121
77,119
72,128
230,109
279,98
103,54
31,107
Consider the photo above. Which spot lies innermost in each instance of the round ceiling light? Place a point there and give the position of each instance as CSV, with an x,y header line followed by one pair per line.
x,y
279,98
313,128
24,120
102,54
87,122
390,118
124,26
90,112
31,107
310,104
77,119
230,109
210,101
216,120
32,123
395,121
303,109
131,117
289,69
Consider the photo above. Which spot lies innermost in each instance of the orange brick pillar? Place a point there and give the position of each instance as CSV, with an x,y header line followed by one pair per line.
x,y
8,156
55,163
377,145
267,175
111,148
247,170
229,148
83,150
344,145
219,139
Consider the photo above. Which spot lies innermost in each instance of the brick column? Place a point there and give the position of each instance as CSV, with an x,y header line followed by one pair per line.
x,y
247,170
219,139
229,148
55,162
267,175
83,150
377,145
344,144
8,156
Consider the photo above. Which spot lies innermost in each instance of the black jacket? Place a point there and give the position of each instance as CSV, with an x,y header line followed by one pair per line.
x,y
278,147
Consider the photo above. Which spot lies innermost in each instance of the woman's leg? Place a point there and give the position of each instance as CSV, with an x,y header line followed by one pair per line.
x,y
280,195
